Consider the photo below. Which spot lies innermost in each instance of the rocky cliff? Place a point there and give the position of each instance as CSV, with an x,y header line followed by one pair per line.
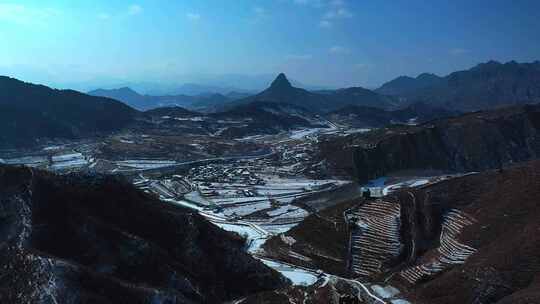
x,y
472,239
471,142
469,239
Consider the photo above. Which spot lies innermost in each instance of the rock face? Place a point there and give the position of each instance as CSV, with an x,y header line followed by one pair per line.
x,y
80,239
472,142
470,239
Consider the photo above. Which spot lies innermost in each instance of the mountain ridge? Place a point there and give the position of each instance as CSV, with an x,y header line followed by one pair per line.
x,y
30,112
485,86
282,91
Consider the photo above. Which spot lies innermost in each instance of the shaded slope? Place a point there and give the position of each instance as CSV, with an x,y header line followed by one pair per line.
x,y
370,117
264,118
31,112
80,239
503,206
171,111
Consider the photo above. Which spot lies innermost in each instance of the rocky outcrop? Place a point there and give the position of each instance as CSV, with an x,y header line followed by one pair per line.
x,y
470,239
81,239
471,142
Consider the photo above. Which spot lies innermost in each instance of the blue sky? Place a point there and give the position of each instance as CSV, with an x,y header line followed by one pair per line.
x,y
319,42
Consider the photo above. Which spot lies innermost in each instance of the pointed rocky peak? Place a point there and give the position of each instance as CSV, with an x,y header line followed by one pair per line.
x,y
281,82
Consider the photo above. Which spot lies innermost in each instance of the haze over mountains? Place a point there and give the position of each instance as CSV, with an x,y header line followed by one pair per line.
x,y
146,102
69,114
484,86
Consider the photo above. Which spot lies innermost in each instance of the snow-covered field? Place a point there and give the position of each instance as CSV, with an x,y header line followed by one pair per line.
x,y
297,275
146,164
380,187
299,134
273,198
68,161
28,161
246,209
64,165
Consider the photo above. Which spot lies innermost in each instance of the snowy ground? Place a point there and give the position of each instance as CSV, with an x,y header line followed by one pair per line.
x,y
28,161
381,186
297,275
146,164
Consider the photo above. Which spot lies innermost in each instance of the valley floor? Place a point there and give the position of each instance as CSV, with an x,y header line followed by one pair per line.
x,y
259,187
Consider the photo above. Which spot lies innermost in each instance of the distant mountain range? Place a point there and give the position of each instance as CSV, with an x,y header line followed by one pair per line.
x,y
487,85
186,84
146,102
281,91
31,112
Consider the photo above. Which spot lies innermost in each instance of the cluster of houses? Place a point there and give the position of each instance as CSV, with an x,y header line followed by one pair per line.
x,y
232,173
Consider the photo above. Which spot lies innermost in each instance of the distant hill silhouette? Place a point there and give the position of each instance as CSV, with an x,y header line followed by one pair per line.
x,y
487,85
31,112
125,95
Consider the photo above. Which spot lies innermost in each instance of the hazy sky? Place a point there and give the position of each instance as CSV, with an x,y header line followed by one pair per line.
x,y
321,42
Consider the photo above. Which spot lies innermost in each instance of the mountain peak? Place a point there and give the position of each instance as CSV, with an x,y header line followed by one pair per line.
x,y
427,76
281,81
126,90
